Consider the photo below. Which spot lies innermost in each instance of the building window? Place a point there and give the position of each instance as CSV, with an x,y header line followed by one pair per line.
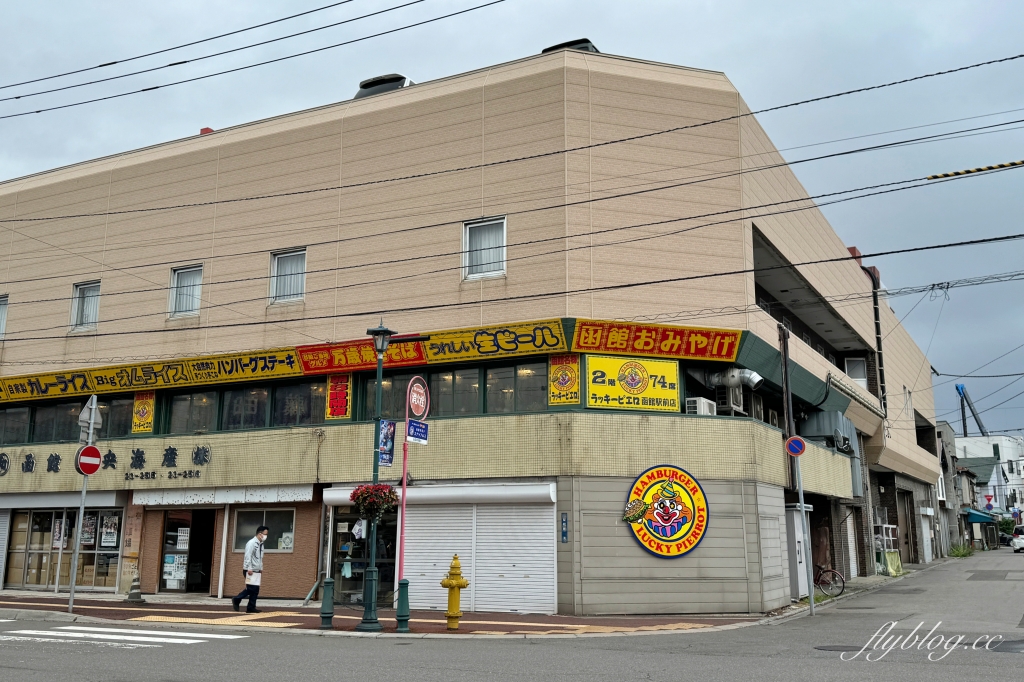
x,y
764,305
940,489
455,393
117,417
245,408
787,324
193,412
300,404
832,360
186,290
393,390
484,254
280,522
522,388
288,276
57,422
857,369
3,316
995,450
806,338
14,425
85,306
821,350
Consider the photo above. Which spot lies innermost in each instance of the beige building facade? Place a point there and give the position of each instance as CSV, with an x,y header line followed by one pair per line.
x,y
514,214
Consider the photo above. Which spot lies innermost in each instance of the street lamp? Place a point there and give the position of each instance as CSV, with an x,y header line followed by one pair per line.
x,y
381,338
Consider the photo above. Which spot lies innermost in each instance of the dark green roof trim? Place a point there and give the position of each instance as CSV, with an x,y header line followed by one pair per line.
x,y
757,354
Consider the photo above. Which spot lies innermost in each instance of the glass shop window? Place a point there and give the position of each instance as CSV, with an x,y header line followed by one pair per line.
x,y
280,524
193,412
58,422
454,393
300,404
245,408
117,417
14,425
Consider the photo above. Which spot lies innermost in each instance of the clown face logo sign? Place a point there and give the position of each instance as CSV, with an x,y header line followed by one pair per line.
x,y
667,511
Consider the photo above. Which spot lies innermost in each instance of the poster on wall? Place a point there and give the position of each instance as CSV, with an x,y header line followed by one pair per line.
x,y
339,403
183,534
143,409
667,511
58,533
108,536
89,530
632,383
564,379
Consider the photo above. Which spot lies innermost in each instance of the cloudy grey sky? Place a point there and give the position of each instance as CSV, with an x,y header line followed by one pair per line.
x,y
774,53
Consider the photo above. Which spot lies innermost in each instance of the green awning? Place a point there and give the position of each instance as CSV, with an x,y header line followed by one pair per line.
x,y
975,516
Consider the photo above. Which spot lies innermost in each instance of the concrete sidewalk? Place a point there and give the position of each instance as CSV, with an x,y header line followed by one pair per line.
x,y
290,615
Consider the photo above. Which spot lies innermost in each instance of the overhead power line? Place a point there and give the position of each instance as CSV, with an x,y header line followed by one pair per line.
x,y
213,54
252,66
551,294
176,47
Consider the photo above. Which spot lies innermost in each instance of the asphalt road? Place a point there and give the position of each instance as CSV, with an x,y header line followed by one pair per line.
x,y
974,602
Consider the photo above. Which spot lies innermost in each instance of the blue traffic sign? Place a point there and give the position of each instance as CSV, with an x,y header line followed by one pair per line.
x,y
416,432
795,446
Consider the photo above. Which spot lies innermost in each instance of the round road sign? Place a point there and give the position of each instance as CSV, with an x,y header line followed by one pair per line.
x,y
88,460
795,446
419,398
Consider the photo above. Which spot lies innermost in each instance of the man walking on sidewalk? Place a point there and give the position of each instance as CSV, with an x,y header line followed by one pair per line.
x,y
252,570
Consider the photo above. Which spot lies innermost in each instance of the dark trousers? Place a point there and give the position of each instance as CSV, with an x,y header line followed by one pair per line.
x,y
251,592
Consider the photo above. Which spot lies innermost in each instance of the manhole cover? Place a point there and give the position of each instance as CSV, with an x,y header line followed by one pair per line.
x,y
838,647
1011,647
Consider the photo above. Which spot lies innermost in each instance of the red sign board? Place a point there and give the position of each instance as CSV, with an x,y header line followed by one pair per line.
x,y
419,398
88,460
349,356
656,341
988,498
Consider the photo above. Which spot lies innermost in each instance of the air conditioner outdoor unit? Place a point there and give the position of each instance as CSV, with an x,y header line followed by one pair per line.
x,y
757,407
701,406
729,398
773,418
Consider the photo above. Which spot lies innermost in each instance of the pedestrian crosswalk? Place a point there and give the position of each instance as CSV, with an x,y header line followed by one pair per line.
x,y
123,638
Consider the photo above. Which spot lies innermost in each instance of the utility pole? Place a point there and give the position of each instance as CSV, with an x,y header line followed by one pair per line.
x,y
787,406
89,421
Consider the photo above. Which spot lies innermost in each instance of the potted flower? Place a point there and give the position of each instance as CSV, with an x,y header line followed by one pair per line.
x,y
374,501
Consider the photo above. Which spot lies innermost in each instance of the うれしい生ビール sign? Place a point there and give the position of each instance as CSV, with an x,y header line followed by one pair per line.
x,y
667,511
632,383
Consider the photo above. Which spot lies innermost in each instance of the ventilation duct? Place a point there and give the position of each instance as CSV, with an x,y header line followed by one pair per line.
x,y
380,84
735,377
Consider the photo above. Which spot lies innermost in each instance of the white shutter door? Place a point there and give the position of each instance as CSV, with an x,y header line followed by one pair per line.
x,y
5,524
515,558
434,532
851,541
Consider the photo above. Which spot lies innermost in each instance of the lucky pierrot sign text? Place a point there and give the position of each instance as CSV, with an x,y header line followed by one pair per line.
x,y
619,383
667,511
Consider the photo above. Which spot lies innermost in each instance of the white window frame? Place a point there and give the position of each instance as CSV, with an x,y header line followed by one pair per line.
x,y
4,301
846,371
940,489
76,324
266,550
466,227
274,298
172,300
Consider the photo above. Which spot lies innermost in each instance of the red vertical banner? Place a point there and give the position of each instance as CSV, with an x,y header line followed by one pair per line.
x,y
339,396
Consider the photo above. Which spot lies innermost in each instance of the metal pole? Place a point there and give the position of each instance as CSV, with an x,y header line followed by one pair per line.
x,y
81,511
791,431
370,622
405,475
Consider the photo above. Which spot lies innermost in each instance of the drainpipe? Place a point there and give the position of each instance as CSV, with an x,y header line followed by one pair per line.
x,y
875,284
223,552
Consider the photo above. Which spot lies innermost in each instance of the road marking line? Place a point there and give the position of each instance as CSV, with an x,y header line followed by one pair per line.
x,y
117,645
213,621
90,635
164,633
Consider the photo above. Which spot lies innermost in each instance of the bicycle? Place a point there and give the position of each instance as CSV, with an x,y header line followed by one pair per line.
x,y
829,581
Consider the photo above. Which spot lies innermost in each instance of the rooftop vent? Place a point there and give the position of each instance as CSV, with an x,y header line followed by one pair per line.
x,y
205,131
583,44
379,84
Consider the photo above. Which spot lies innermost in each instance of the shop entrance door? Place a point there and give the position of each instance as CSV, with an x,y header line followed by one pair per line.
x,y
188,550
904,519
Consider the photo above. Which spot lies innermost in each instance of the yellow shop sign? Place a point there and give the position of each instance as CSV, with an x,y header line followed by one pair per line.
x,y
503,341
623,383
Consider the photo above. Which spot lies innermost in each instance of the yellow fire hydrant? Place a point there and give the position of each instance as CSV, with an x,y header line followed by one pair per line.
x,y
454,581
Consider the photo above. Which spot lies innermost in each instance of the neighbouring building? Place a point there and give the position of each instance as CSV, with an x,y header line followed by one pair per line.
x,y
999,463
603,328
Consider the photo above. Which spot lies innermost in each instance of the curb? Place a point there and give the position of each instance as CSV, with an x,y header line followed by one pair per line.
x,y
60,617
